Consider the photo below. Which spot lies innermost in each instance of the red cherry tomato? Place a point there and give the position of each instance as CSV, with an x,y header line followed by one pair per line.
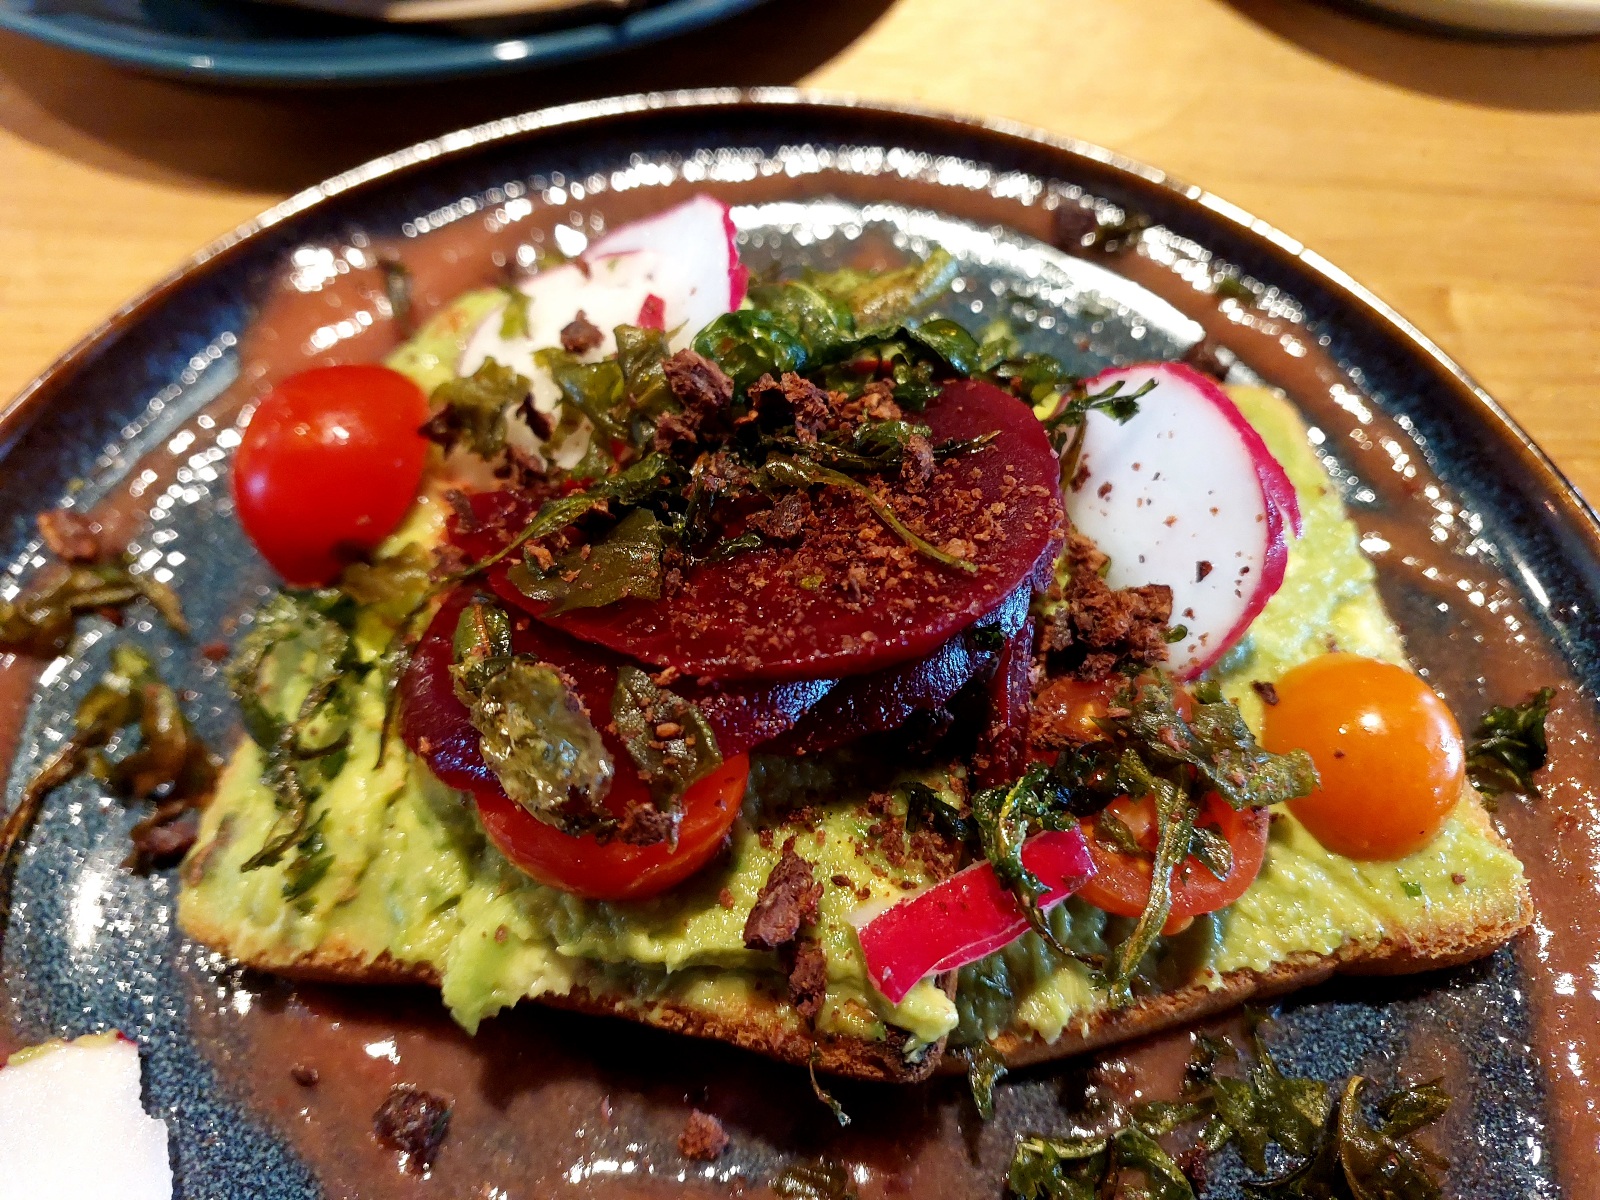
x,y
1121,884
615,870
328,467
1387,749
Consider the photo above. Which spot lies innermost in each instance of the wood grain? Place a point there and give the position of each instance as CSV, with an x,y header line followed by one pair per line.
x,y
1460,179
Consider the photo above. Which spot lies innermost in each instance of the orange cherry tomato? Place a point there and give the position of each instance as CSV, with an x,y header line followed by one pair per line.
x,y
1121,884
615,870
1387,749
330,463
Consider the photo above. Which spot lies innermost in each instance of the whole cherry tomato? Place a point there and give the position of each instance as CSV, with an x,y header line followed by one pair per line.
x,y
328,467
1387,749
615,870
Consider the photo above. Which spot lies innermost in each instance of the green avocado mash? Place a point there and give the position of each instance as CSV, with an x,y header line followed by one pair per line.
x,y
412,878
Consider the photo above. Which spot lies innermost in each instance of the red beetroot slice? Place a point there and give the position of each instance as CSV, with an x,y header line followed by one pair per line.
x,y
1003,742
789,612
863,704
966,917
434,722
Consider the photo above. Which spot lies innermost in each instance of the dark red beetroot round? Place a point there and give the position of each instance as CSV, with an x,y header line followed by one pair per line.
x,y
434,722
883,700
851,597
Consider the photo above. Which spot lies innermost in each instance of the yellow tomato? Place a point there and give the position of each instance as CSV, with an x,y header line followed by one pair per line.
x,y
1387,749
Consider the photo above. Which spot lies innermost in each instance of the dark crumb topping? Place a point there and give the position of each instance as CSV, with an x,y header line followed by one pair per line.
x,y
1098,630
808,978
581,336
413,1122
788,898
71,536
703,1138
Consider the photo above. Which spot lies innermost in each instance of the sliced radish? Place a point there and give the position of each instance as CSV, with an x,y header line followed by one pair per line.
x,y
72,1125
966,917
1185,494
701,273
678,271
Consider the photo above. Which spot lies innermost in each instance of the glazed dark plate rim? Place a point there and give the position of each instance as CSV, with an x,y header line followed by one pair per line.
x,y
17,414
353,58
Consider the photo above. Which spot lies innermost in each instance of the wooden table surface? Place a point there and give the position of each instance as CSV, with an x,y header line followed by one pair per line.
x,y
1459,179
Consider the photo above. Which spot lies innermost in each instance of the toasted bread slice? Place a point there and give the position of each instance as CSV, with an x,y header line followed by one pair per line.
x,y
409,899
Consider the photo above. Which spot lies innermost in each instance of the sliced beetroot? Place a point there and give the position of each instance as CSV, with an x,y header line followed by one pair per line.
x,y
886,699
965,917
434,722
1002,748
851,597
1185,494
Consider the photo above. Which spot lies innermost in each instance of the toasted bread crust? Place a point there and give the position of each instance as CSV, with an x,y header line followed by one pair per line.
x,y
767,1025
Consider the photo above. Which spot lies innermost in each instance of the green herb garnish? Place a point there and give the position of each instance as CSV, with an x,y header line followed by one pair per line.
x,y
985,1068
1508,747
1150,749
473,409
297,636
625,563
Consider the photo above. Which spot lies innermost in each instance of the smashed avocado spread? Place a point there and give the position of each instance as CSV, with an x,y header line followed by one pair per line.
x,y
400,871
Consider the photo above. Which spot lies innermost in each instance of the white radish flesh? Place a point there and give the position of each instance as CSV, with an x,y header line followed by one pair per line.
x,y
72,1128
678,270
1185,494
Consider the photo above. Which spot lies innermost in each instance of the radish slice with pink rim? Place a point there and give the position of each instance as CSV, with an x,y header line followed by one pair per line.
x,y
966,917
696,242
677,271
1186,494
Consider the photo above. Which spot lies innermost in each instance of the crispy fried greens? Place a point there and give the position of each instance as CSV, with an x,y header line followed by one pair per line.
x,y
1509,746
534,733
304,635
41,621
1328,1146
169,765
668,738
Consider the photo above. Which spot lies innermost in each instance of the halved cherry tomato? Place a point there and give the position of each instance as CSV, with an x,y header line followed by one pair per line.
x,y
616,870
1387,749
330,463
1121,884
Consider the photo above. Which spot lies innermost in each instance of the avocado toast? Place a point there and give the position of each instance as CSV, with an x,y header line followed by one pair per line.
x,y
387,874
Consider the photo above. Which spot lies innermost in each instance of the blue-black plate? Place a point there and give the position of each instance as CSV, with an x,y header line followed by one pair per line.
x,y
1486,557
242,41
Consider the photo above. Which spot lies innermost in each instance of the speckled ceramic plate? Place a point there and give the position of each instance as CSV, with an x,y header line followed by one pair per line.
x,y
1488,559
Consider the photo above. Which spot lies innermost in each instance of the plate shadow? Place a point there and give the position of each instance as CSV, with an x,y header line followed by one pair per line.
x,y
281,140
1532,74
